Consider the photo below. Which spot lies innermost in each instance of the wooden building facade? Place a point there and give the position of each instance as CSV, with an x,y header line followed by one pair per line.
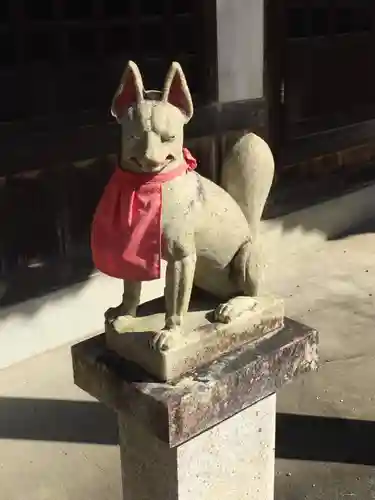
x,y
298,72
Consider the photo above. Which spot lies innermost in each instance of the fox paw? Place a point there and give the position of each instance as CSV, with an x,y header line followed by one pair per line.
x,y
231,310
167,338
121,323
114,312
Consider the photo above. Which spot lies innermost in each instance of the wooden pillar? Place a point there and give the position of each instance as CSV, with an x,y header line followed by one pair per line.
x,y
240,49
235,66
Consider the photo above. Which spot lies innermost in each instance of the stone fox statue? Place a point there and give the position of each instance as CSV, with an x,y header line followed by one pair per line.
x,y
157,207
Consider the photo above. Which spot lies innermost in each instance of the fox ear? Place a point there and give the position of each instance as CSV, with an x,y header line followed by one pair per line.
x,y
129,91
176,90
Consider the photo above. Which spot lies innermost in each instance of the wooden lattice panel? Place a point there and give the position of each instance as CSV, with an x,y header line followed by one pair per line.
x,y
60,62
61,56
329,75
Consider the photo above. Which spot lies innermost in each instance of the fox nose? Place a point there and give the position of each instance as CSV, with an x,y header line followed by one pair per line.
x,y
151,160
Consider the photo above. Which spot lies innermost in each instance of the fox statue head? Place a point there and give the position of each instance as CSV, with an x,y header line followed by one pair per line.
x,y
152,122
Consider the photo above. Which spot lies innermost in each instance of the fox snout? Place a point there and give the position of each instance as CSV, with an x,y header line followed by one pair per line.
x,y
154,152
151,162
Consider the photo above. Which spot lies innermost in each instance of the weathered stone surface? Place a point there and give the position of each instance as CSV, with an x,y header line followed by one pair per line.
x,y
178,411
205,339
233,460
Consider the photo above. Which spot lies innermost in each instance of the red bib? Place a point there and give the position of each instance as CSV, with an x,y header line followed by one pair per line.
x,y
126,230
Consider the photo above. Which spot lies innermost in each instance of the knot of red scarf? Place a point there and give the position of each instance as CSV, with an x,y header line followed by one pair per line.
x,y
126,230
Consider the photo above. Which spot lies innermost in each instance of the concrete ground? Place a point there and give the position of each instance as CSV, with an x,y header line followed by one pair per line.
x,y
59,444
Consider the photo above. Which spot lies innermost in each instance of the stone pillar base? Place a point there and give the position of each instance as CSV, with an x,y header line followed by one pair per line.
x,y
233,460
209,434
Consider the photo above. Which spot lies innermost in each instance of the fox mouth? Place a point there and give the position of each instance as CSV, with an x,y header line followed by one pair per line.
x,y
156,167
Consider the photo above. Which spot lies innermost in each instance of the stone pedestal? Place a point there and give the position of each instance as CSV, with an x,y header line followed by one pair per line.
x,y
204,341
209,434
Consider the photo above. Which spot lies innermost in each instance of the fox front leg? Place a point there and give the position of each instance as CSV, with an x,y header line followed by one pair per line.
x,y
178,287
127,310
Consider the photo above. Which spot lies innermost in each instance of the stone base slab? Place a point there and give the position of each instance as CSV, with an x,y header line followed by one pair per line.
x,y
205,340
178,411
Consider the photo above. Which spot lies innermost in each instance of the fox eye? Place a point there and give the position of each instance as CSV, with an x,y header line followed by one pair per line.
x,y
168,138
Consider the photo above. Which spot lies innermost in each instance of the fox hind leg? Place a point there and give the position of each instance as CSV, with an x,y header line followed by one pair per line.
x,y
247,272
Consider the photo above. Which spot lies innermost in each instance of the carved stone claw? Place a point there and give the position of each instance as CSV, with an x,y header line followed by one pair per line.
x,y
166,338
229,311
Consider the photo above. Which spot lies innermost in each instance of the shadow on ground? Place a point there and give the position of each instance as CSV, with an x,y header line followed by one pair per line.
x,y
298,437
324,439
366,227
57,420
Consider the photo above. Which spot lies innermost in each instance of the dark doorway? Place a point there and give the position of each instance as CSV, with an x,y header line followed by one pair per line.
x,y
323,51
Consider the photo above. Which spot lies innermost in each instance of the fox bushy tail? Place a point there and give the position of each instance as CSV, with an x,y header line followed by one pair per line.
x,y
247,175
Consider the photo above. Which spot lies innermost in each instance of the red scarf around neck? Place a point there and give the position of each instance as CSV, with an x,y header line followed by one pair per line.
x,y
126,230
